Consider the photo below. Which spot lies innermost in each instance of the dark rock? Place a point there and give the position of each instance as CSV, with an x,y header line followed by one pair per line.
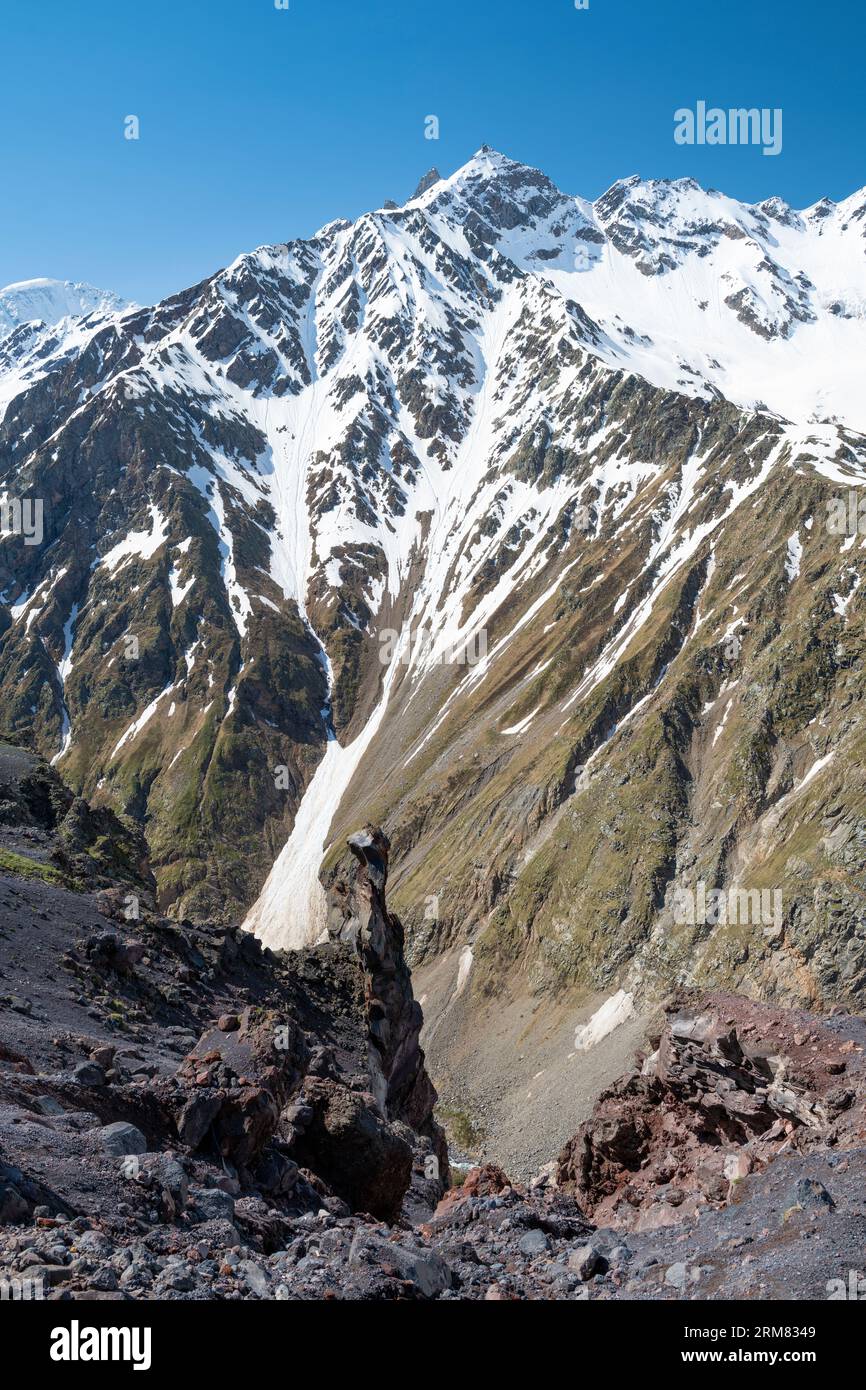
x,y
354,1150
810,1194
196,1117
165,1176
14,1206
358,915
47,1105
430,178
276,1174
533,1243
425,1268
120,1139
258,1067
89,1074
212,1204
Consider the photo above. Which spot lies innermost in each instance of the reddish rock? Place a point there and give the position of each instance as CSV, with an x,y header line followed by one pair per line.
x,y
717,1099
484,1181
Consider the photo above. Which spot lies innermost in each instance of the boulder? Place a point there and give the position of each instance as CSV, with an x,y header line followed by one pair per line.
x,y
424,1268
121,1139
88,1074
357,1153
243,1077
533,1243
586,1261
166,1177
811,1195
212,1204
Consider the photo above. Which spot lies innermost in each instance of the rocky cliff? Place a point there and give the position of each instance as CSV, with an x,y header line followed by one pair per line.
x,y
161,1079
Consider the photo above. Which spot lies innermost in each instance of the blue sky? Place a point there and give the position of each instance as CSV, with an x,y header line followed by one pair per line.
x,y
258,124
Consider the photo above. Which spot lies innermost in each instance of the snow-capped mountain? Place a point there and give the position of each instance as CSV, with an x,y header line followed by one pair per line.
x,y
500,518
41,320
49,301
693,290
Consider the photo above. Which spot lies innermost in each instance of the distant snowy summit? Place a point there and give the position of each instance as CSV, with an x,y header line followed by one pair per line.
x,y
49,301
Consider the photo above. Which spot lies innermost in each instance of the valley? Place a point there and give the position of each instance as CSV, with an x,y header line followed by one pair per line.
x,y
501,520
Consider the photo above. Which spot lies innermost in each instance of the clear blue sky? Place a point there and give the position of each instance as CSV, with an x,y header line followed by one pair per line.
x,y
258,125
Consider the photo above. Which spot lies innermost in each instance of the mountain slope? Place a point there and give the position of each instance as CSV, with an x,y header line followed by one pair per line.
x,y
579,457
42,320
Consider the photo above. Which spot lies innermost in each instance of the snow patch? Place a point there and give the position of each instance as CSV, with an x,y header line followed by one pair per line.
x,y
141,543
793,557
613,1012
464,969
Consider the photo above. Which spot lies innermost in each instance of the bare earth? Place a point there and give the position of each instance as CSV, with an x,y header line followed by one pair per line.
x,y
512,1068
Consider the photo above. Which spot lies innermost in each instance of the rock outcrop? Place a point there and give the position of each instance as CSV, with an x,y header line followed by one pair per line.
x,y
359,915
730,1087
47,832
140,1055
368,1148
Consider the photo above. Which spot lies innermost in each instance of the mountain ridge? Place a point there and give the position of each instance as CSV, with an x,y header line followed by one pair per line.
x,y
50,300
307,486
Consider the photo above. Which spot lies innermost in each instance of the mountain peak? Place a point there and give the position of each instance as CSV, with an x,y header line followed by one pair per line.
x,y
486,160
432,176
49,301
501,191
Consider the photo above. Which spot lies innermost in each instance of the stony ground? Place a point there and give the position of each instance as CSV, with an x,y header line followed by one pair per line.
x,y
508,1072
782,1240
184,1115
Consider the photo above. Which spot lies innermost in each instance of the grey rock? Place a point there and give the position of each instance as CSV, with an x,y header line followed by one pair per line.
x,y
178,1276
298,1114
47,1105
165,1173
533,1243
93,1244
811,1195
423,1267
219,1234
121,1139
89,1074
679,1275
586,1261
254,1277
212,1204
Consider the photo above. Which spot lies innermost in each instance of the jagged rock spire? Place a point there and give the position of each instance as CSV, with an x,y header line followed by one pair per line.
x,y
432,176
